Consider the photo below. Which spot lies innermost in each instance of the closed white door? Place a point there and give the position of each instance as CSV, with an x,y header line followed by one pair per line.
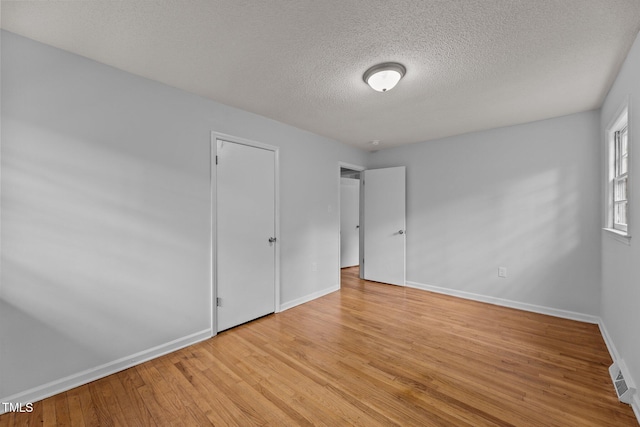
x,y
245,230
384,225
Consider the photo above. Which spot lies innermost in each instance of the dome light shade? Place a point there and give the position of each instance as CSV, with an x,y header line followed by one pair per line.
x,y
383,77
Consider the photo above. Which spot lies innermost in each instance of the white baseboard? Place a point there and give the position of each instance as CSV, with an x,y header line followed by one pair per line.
x,y
310,297
615,356
565,314
613,351
84,377
635,405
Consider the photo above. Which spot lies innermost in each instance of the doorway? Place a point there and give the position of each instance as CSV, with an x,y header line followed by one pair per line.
x,y
349,218
351,239
380,226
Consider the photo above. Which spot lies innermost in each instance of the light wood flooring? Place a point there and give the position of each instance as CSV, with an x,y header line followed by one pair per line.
x,y
371,355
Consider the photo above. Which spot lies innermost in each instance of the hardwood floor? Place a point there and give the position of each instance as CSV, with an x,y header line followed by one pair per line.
x,y
371,355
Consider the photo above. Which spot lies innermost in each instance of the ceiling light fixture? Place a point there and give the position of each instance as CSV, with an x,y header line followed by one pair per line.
x,y
383,77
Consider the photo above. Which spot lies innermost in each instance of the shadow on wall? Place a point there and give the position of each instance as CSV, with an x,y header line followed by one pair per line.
x,y
98,249
23,342
530,224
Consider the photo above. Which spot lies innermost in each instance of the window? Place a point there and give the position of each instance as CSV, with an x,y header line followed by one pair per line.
x,y
621,179
618,174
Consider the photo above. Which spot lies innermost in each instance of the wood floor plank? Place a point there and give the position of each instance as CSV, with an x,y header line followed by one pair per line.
x,y
104,404
165,406
129,401
372,355
297,392
48,412
225,410
89,410
197,404
62,410
76,417
33,418
321,378
7,419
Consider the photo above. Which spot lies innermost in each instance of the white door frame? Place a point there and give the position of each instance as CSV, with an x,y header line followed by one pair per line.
x,y
361,208
214,209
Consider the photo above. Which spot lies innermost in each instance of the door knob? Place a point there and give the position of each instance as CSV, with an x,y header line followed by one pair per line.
x,y
272,239
401,232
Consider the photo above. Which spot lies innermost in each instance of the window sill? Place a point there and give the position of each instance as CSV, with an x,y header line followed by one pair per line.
x,y
618,235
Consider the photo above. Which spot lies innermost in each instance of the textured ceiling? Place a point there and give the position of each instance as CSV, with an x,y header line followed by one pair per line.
x,y
471,64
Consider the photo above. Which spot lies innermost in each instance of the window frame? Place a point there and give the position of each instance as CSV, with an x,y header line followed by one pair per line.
x,y
616,177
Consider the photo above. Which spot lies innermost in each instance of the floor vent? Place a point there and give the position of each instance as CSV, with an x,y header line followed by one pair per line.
x,y
624,389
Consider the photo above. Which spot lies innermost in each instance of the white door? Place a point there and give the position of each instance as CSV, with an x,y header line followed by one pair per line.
x,y
384,225
349,222
245,230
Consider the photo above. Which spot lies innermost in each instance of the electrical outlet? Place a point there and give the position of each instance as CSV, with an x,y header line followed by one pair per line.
x,y
314,266
502,271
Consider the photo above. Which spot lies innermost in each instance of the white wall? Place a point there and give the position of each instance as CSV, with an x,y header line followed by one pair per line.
x,y
0,166
620,262
522,197
106,212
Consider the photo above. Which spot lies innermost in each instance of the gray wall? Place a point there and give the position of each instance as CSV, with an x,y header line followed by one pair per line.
x,y
523,197
620,261
106,212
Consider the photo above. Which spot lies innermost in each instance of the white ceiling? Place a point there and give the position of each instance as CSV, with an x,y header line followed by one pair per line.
x,y
471,64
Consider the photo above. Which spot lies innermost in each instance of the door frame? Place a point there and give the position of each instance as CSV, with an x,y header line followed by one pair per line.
x,y
360,169
213,251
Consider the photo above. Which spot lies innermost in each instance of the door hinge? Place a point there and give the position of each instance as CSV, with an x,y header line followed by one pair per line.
x,y
216,160
218,302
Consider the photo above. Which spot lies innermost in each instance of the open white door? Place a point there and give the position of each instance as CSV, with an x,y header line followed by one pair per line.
x,y
384,225
245,230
